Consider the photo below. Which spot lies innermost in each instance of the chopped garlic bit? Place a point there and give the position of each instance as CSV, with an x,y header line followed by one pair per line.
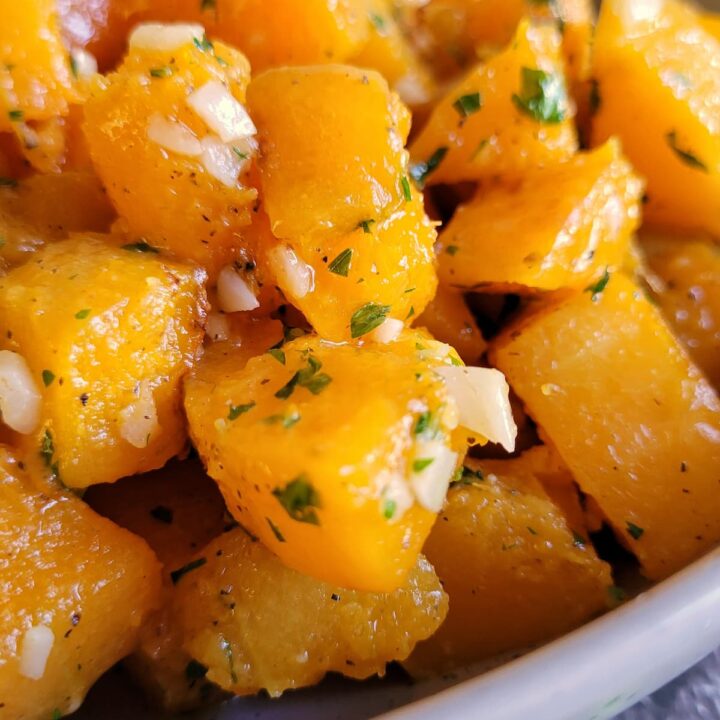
x,y
222,113
20,398
388,332
217,327
396,498
234,294
84,63
164,36
173,135
433,468
482,397
36,646
220,160
292,273
138,421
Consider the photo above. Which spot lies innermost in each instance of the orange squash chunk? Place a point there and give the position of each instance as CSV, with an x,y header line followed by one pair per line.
x,y
332,154
515,572
75,587
177,510
658,75
503,117
688,295
390,263
108,334
631,416
258,625
314,447
562,226
159,159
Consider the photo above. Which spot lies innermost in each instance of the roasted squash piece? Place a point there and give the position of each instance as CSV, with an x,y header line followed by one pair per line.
x,y
658,75
172,143
503,117
76,590
389,263
177,510
258,625
36,82
561,227
515,573
343,171
313,446
607,382
688,295
449,320
107,334
389,51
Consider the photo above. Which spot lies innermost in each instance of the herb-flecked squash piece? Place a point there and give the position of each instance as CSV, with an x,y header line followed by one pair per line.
x,y
515,572
161,162
634,420
255,624
76,590
343,169
503,117
561,227
688,295
326,452
176,510
389,264
276,34
107,333
658,88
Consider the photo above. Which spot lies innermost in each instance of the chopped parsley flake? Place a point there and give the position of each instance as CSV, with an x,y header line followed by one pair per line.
x,y
278,354
467,105
423,422
207,5
161,72
56,714
16,115
82,314
47,452
598,287
467,476
421,463
411,312
635,531
242,155
378,22
47,377
420,171
579,540
367,318
689,158
389,509
141,246
308,378
616,594
276,531
195,670
227,649
299,498
532,531
73,66
452,250
341,264
237,410
177,575
405,186
542,96
203,44
365,225
287,421
162,514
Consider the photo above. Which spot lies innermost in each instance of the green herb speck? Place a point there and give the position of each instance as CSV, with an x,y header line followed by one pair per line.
x,y
177,575
469,104
405,186
421,463
688,157
237,410
141,246
542,97
278,354
341,264
47,377
82,314
300,499
596,289
367,318
420,171
635,531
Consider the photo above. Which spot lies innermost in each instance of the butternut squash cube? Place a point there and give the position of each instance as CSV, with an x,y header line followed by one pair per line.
x,y
258,625
177,510
390,263
174,162
658,75
563,226
515,573
107,333
631,416
320,451
76,590
689,295
331,141
503,117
